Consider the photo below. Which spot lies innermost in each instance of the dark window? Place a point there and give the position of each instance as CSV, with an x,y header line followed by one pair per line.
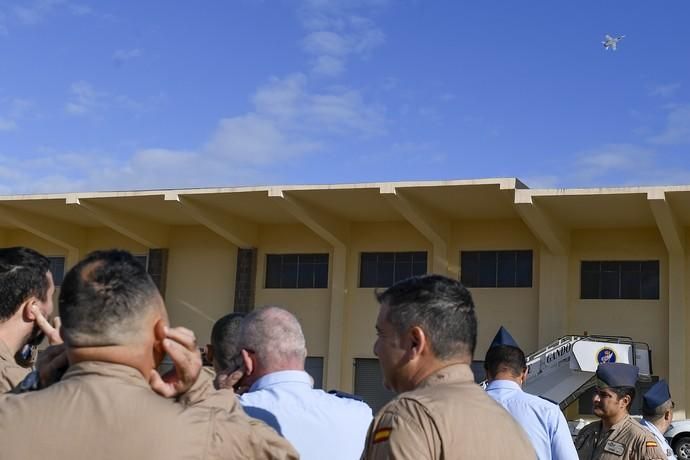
x,y
57,268
296,271
496,268
384,269
369,383
619,279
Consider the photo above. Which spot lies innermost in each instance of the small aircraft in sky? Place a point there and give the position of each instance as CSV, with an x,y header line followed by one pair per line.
x,y
611,43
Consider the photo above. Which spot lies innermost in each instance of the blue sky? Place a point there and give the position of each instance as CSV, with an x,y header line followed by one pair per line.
x,y
116,95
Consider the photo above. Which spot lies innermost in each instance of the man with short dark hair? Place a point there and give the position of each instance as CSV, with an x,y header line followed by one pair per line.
x,y
116,332
506,371
26,298
427,332
657,411
617,436
224,350
319,425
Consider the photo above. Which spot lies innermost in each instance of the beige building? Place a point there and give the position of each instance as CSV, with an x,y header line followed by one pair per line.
x,y
543,263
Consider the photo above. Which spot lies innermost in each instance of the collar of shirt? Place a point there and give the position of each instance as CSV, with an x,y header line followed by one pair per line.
x,y
5,353
104,369
452,373
503,385
276,378
616,428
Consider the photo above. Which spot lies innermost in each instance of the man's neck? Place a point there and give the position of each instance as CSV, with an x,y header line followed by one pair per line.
x,y
506,376
430,368
12,336
607,423
116,354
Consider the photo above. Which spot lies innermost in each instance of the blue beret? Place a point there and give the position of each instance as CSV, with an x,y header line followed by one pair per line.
x,y
617,374
656,396
503,337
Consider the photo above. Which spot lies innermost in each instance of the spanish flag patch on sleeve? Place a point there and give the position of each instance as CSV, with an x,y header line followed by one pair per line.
x,y
382,434
651,444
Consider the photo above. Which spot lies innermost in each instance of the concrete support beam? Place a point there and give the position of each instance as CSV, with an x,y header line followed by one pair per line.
x,y
553,296
434,228
336,233
550,233
59,233
238,231
671,231
673,235
147,233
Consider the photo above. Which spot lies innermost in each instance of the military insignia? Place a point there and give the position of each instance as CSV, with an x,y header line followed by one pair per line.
x,y
615,448
650,444
382,434
606,355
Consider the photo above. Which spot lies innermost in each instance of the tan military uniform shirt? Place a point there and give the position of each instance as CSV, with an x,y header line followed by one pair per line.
x,y
11,373
108,411
625,440
446,417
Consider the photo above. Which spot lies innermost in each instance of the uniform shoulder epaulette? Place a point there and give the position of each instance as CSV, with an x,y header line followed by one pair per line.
x,y
342,394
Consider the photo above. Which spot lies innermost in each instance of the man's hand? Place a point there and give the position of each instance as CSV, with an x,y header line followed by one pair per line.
x,y
231,381
180,345
52,331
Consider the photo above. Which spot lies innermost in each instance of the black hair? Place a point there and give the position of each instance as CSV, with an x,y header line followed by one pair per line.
x,y
23,274
504,358
225,338
103,296
441,306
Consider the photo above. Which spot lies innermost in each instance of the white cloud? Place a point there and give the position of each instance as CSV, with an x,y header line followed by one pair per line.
x,y
37,11
677,130
328,66
85,99
254,140
126,55
612,159
325,42
7,125
667,90
288,121
336,32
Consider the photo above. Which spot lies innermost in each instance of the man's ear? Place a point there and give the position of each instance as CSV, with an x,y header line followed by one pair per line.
x,y
159,330
418,341
248,362
668,415
25,308
209,353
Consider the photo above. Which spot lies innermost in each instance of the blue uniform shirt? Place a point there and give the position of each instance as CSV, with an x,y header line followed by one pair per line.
x,y
659,438
319,425
542,420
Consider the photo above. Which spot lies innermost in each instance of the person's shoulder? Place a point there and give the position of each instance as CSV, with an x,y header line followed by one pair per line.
x,y
639,431
589,428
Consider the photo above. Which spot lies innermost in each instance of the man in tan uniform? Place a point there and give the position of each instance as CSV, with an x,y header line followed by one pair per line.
x,y
617,436
26,293
116,331
427,331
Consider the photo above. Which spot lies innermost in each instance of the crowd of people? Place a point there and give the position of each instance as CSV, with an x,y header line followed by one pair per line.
x,y
95,391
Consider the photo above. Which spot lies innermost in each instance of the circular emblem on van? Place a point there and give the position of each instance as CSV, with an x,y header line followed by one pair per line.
x,y
606,355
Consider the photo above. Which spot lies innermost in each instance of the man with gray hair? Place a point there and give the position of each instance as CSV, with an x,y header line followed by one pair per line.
x,y
281,393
